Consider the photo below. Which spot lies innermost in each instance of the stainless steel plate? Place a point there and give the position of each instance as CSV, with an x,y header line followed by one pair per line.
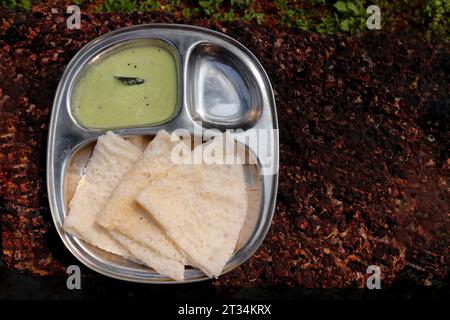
x,y
221,84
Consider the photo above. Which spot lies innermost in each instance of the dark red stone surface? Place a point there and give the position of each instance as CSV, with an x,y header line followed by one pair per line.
x,y
364,173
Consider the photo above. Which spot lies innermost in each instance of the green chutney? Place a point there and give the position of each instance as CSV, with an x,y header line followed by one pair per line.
x,y
101,100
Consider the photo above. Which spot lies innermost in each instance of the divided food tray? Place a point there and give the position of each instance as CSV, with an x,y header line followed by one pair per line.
x,y
221,85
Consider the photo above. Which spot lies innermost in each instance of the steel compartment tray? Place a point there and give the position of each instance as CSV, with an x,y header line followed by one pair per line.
x,y
248,95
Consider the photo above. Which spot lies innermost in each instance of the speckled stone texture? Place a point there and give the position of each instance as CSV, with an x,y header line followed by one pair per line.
x,y
364,174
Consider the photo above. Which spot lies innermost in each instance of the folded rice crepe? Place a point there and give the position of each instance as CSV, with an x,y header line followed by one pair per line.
x,y
123,215
138,204
202,208
140,141
111,158
165,266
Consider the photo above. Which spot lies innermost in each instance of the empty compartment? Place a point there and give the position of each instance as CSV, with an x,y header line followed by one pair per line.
x,y
222,91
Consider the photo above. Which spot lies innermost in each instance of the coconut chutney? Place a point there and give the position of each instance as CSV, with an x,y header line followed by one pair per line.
x,y
130,87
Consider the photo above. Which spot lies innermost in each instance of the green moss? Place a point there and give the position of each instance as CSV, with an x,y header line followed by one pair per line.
x,y
437,16
323,16
431,16
124,6
24,5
